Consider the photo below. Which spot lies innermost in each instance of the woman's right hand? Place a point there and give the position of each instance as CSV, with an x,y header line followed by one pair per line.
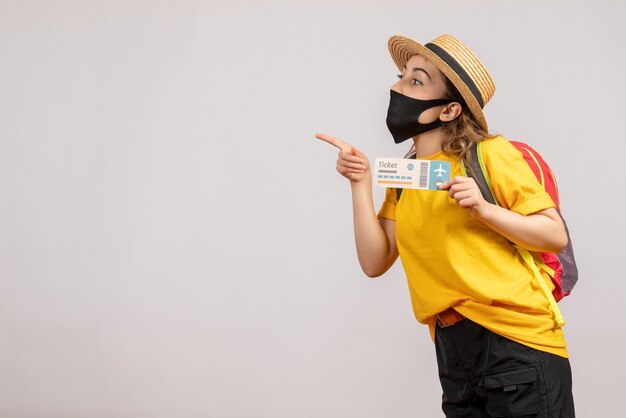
x,y
351,163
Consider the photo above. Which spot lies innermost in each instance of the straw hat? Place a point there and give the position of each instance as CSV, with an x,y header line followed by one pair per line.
x,y
457,62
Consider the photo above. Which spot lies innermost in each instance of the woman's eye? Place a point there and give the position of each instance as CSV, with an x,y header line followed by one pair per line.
x,y
414,81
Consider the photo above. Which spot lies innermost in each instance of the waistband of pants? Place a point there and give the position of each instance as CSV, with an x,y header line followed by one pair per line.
x,y
449,317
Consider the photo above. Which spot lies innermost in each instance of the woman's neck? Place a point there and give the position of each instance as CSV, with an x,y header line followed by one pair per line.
x,y
428,143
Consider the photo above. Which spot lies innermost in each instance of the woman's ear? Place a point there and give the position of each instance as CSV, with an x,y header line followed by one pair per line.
x,y
451,112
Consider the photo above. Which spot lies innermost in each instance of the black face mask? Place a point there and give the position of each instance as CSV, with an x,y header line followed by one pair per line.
x,y
403,115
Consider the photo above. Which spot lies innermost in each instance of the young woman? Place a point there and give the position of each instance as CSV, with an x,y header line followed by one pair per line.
x,y
500,351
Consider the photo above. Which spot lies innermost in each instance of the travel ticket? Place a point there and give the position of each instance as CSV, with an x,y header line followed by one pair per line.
x,y
411,174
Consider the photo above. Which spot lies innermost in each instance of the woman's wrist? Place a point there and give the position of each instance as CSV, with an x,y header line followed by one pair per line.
x,y
365,182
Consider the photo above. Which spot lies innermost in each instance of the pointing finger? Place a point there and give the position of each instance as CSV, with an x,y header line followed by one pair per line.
x,y
335,142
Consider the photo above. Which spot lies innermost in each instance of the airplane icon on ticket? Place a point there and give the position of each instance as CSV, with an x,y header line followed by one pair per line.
x,y
440,171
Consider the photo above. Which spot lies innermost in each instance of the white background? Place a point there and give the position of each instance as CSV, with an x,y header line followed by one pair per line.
x,y
174,242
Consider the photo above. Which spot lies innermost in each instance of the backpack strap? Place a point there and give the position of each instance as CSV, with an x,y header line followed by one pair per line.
x,y
478,172
532,263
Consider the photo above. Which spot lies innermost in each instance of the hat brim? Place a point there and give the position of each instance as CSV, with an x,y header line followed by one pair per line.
x,y
402,49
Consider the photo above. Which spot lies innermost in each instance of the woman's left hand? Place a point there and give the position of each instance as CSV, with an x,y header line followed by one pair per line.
x,y
466,193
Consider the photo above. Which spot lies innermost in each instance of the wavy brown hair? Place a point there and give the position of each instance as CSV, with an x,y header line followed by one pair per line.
x,y
462,132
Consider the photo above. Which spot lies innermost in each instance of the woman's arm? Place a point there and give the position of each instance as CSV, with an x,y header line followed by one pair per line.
x,y
375,240
540,231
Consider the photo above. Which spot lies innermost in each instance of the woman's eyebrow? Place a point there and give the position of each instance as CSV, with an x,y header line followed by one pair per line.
x,y
419,69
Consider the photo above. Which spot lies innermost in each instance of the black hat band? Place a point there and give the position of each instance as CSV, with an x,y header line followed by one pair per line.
x,y
447,58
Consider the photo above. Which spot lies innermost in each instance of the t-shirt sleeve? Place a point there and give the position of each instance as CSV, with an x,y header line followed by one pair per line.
x,y
388,208
513,182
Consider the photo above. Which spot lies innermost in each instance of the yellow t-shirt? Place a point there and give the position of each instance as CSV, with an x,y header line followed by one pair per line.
x,y
454,260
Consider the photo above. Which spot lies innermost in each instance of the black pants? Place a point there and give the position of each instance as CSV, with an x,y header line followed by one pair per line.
x,y
483,374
